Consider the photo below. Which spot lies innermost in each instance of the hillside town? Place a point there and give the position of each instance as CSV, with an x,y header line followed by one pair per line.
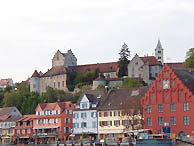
x,y
163,97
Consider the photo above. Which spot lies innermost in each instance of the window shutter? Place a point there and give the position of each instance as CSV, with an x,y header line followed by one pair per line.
x,y
105,114
110,123
119,122
111,113
99,114
122,122
119,113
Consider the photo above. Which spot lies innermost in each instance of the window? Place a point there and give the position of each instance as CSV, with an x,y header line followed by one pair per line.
x,y
160,121
152,96
160,108
45,112
109,123
84,105
54,84
28,131
159,57
117,123
58,84
172,83
109,114
75,125
160,84
75,115
83,125
159,131
83,115
94,124
49,121
67,129
68,112
149,121
148,108
67,120
51,112
186,120
116,113
173,120
101,114
138,121
180,94
102,123
156,74
34,86
185,106
23,131
159,52
18,131
93,114
172,107
63,84
57,112
166,96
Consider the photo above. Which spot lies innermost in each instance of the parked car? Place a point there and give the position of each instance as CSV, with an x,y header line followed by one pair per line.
x,y
98,142
111,141
126,141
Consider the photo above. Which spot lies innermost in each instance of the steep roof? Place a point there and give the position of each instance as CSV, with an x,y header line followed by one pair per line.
x,y
57,70
26,118
186,76
6,111
5,114
159,45
117,98
93,95
151,60
103,67
51,106
35,74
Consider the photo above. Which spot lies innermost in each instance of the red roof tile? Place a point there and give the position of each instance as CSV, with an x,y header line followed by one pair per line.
x,y
103,67
151,60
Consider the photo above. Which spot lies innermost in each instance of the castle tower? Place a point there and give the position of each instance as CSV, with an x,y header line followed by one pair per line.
x,y
159,52
35,82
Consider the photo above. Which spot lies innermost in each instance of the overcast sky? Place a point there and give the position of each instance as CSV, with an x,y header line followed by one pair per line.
x,y
31,31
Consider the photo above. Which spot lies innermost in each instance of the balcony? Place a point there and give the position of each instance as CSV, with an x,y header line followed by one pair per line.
x,y
45,134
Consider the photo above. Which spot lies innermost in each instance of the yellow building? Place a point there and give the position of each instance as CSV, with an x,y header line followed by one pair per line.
x,y
120,112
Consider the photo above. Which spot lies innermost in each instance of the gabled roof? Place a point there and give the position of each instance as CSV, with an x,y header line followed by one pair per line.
x,y
93,95
185,75
35,74
26,118
5,114
57,70
103,67
51,106
151,60
6,111
117,98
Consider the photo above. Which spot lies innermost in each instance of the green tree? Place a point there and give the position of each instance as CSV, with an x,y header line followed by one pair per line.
x,y
123,60
189,62
130,83
53,95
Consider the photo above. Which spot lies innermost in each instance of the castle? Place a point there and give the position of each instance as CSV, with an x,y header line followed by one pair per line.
x,y
146,68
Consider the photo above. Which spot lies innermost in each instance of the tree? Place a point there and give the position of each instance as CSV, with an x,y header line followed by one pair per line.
x,y
130,83
123,60
101,86
189,62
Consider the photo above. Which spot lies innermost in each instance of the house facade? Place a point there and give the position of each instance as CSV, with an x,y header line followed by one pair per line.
x,y
8,118
170,101
147,67
120,112
6,82
53,122
85,114
24,129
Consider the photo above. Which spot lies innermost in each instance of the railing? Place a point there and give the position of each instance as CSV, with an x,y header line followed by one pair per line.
x,y
45,134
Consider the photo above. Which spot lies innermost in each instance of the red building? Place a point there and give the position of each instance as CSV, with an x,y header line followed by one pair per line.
x,y
170,101
23,129
53,122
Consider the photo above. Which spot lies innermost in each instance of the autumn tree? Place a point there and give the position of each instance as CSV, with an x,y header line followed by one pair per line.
x,y
189,62
123,60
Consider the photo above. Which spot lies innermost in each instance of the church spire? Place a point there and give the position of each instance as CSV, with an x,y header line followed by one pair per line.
x,y
159,52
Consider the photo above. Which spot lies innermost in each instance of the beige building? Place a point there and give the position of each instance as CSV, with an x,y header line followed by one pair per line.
x,y
121,111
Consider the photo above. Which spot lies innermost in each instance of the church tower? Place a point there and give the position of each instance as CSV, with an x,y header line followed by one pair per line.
x,y
159,52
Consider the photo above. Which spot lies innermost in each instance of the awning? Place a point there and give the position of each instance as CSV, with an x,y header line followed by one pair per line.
x,y
52,127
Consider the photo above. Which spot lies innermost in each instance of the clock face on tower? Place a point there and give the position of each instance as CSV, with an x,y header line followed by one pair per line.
x,y
166,84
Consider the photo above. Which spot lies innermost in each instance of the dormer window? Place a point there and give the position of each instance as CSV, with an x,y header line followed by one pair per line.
x,y
50,112
84,105
57,112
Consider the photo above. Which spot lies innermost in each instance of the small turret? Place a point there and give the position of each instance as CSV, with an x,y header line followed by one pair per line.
x,y
35,82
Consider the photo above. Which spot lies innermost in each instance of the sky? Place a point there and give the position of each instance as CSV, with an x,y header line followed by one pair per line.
x,y
31,31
